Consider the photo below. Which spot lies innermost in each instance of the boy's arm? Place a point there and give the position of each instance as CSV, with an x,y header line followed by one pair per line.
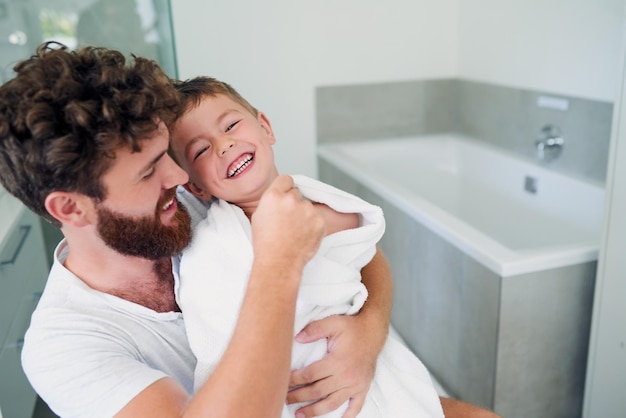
x,y
252,376
377,278
354,343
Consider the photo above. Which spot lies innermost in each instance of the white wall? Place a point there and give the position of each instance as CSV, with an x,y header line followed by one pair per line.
x,y
275,52
606,370
570,47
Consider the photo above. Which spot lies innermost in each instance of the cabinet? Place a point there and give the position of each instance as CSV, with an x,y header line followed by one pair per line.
x,y
23,272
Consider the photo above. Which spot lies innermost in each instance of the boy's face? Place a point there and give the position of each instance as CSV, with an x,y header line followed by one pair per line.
x,y
226,150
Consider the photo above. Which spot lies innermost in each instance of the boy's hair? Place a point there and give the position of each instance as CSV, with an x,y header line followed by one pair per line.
x,y
65,113
193,90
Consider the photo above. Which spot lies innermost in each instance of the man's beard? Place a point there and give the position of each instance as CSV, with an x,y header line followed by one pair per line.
x,y
145,237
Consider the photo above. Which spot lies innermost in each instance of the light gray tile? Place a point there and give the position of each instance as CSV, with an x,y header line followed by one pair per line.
x,y
358,112
499,115
544,334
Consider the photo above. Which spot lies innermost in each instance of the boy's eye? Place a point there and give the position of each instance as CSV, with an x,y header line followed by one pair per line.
x,y
200,152
231,126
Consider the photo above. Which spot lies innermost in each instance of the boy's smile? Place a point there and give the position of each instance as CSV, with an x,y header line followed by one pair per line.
x,y
240,165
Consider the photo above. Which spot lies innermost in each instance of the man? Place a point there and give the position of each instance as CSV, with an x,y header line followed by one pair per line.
x,y
83,143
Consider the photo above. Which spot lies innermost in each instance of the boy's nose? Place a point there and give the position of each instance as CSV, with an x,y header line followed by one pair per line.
x,y
224,145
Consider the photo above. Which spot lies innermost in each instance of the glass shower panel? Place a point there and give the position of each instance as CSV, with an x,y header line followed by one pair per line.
x,y
19,34
140,27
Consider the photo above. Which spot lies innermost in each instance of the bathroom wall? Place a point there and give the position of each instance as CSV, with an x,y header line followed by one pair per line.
x,y
277,52
606,371
506,117
570,47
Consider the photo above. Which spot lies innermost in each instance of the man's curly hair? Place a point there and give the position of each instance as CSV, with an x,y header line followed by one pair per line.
x,y
65,113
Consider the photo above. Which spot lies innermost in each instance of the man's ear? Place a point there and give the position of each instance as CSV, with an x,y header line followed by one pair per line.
x,y
192,188
69,208
267,126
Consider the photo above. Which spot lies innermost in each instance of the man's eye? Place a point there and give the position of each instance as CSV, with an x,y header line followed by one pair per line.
x,y
231,126
200,152
149,174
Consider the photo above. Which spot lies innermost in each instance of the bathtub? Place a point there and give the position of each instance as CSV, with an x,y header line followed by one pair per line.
x,y
511,215
493,259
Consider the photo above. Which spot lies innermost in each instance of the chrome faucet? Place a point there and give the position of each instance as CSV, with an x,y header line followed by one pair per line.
x,y
550,143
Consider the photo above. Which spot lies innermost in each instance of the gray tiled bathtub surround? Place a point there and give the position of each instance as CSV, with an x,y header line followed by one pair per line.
x,y
515,344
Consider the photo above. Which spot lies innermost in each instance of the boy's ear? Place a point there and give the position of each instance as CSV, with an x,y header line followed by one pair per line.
x,y
192,188
267,126
69,208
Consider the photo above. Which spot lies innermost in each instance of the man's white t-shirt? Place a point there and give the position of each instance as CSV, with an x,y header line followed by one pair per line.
x,y
88,353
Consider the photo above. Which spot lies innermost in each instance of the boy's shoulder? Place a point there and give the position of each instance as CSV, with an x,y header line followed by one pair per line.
x,y
321,192
197,208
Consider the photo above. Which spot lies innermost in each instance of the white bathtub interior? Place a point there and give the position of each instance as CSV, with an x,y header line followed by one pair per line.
x,y
464,188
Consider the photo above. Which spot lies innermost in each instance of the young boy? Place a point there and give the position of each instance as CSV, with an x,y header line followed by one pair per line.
x,y
225,145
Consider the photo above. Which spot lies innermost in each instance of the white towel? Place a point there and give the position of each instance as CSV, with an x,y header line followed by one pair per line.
x,y
214,272
331,281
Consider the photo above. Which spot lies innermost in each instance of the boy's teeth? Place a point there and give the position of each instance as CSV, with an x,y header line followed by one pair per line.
x,y
168,204
242,164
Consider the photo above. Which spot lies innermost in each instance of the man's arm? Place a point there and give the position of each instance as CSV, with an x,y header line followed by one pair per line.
x,y
354,343
252,376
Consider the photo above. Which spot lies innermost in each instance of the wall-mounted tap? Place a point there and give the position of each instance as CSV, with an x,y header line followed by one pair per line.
x,y
550,143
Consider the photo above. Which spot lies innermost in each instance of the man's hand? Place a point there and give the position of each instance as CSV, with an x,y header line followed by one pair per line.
x,y
286,228
345,373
